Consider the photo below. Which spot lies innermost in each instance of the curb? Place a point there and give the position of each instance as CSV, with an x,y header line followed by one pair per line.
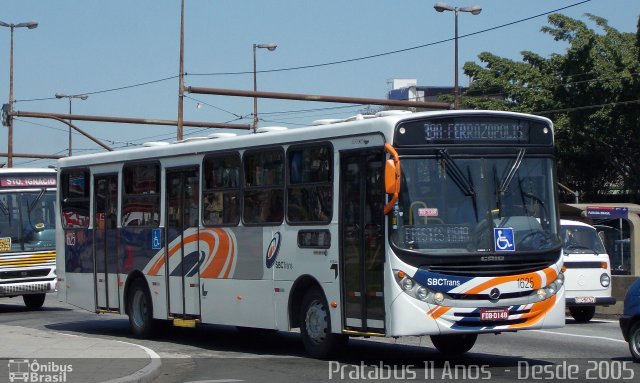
x,y
144,375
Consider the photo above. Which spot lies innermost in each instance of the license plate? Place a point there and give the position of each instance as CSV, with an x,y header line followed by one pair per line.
x,y
585,299
494,314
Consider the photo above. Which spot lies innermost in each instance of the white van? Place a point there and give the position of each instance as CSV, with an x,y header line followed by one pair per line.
x,y
588,270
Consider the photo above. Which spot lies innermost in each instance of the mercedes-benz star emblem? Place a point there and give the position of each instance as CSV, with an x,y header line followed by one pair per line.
x,y
494,294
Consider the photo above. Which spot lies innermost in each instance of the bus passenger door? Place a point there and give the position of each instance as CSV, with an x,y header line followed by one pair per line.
x,y
106,268
182,251
362,239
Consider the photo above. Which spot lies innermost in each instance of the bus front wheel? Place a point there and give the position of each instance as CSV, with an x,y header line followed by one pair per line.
x,y
140,309
315,326
454,344
34,301
582,314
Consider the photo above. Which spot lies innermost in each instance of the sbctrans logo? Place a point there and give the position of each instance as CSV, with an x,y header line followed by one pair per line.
x,y
23,370
273,250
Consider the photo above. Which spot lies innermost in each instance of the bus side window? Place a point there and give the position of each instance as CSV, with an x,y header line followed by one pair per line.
x,y
221,194
309,185
263,186
75,199
141,199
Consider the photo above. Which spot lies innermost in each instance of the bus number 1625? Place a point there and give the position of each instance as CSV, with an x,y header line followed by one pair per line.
x,y
526,283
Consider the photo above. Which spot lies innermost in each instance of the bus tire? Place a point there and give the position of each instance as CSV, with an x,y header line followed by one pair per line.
x,y
140,309
454,344
315,326
582,314
34,301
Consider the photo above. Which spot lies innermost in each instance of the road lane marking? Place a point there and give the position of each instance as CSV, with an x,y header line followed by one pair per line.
x,y
581,336
216,381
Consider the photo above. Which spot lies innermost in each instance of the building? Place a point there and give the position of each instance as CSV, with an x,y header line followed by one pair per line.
x,y
408,89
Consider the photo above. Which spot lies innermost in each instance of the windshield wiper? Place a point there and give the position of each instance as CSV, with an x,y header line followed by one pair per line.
x,y
512,172
4,208
35,201
456,174
464,183
579,247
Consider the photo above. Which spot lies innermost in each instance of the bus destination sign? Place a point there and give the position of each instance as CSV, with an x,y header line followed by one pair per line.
x,y
26,181
473,130
469,131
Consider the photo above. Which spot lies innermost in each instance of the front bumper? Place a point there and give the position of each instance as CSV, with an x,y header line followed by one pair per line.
x,y
25,288
599,301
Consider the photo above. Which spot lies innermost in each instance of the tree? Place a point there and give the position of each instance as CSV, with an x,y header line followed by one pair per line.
x,y
591,93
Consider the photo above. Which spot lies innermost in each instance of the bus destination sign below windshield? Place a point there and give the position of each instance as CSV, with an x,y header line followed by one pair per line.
x,y
469,131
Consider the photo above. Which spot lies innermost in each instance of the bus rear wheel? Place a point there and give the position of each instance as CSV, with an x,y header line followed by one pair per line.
x,y
34,301
140,309
315,327
454,344
582,314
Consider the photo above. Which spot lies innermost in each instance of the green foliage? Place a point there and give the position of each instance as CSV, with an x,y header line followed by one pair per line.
x,y
591,92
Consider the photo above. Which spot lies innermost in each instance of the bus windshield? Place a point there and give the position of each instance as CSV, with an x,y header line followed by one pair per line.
x,y
463,205
27,221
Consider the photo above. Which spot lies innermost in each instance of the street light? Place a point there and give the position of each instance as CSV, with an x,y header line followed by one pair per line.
x,y
30,25
474,10
270,47
81,97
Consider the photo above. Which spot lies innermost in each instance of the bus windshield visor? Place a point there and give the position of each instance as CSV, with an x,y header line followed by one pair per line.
x,y
463,205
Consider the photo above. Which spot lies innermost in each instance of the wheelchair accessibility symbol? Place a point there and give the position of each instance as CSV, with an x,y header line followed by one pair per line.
x,y
156,239
503,239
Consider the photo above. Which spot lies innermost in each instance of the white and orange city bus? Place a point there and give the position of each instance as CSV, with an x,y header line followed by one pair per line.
x,y
27,234
434,223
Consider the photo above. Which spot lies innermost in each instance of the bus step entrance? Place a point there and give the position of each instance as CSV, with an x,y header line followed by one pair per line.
x,y
184,322
103,310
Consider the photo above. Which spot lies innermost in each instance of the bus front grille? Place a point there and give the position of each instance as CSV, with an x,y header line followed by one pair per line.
x,y
583,265
15,274
489,268
485,297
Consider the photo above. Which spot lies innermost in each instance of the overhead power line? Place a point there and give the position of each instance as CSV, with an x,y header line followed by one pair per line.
x,y
390,52
327,63
106,90
572,109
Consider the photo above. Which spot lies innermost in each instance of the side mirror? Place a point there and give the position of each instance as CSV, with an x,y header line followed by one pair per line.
x,y
391,177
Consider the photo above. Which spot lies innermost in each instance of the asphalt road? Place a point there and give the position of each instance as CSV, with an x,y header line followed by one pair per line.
x,y
594,351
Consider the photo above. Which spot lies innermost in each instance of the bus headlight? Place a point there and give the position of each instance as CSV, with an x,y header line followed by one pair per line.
x,y
407,284
416,290
551,289
422,293
559,280
542,294
605,280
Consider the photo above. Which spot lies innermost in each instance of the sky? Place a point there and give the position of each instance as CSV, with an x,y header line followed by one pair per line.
x,y
124,54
